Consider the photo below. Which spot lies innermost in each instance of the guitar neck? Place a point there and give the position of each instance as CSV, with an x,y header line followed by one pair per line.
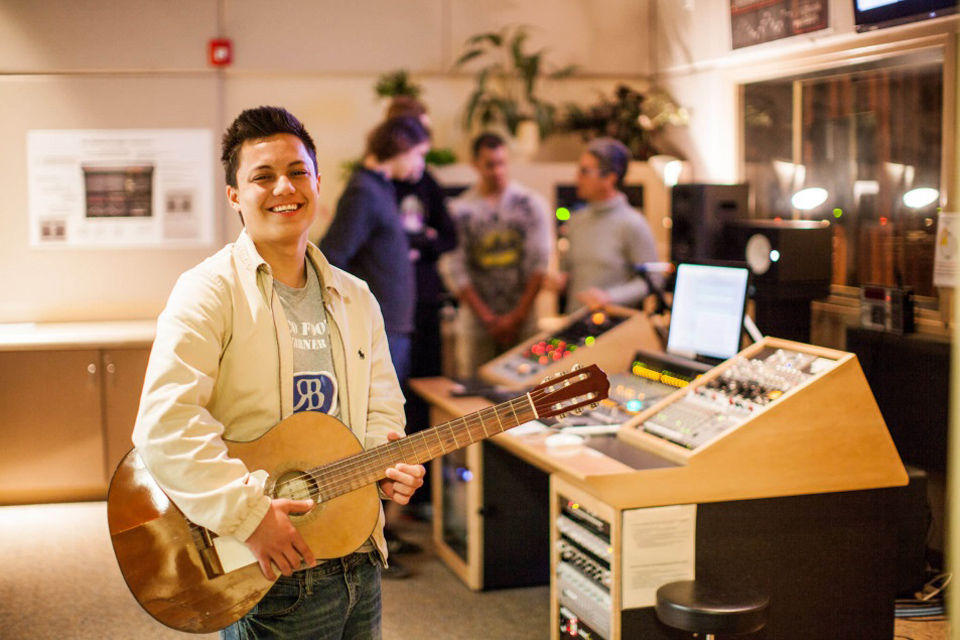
x,y
343,476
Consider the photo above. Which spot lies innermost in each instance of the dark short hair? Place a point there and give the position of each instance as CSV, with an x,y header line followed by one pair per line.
x,y
406,106
256,124
395,136
612,156
486,140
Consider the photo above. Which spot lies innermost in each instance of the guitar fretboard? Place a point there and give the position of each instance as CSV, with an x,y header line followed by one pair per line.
x,y
343,476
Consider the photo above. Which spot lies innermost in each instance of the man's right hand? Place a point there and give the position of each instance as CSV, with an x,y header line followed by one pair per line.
x,y
277,541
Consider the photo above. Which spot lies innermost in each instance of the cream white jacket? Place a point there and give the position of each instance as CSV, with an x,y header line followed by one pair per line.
x,y
221,368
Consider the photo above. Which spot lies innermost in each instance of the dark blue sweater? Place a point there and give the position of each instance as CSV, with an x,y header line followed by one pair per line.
x,y
367,239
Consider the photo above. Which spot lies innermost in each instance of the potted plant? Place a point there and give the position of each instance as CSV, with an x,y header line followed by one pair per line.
x,y
507,78
630,116
396,83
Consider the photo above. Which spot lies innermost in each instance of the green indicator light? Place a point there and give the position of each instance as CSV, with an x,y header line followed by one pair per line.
x,y
563,214
837,212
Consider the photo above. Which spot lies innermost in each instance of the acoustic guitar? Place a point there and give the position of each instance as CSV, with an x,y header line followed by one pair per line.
x,y
190,579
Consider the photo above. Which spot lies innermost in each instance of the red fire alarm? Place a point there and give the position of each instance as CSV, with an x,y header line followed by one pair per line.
x,y
221,52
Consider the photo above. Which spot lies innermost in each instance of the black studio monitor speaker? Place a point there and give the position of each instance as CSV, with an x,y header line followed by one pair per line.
x,y
791,265
699,213
788,258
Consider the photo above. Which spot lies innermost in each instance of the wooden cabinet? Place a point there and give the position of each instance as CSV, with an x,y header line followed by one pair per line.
x,y
52,426
66,413
122,378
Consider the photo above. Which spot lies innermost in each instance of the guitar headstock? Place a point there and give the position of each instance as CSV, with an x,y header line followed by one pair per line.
x,y
569,391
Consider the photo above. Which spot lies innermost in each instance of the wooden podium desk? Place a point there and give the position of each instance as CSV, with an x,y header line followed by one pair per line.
x,y
799,500
520,466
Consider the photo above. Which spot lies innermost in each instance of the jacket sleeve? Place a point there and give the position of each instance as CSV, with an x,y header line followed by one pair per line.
x,y
351,227
177,438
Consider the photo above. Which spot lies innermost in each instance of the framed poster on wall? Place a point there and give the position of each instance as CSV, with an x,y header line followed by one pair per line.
x,y
120,188
757,21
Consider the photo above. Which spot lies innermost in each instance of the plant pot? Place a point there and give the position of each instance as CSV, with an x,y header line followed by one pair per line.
x,y
527,140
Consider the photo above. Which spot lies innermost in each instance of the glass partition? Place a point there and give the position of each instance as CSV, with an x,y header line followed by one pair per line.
x,y
860,147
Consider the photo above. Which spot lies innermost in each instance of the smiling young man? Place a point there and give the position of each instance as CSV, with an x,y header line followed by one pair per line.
x,y
263,329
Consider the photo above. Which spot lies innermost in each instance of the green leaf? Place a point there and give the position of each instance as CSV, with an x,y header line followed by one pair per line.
x,y
467,57
495,39
565,72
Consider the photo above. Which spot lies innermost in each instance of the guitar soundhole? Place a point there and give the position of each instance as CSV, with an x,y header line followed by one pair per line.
x,y
298,485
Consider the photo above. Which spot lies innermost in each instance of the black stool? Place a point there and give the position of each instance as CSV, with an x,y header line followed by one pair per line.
x,y
698,607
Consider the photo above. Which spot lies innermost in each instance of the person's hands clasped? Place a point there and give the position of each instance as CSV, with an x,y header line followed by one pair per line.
x,y
403,480
276,541
594,298
505,329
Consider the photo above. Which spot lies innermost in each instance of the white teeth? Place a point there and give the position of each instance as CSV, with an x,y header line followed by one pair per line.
x,y
283,208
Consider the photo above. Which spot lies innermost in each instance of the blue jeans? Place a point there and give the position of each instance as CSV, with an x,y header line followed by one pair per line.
x,y
336,600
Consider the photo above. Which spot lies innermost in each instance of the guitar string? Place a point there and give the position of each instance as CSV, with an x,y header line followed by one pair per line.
x,y
408,442
328,470
360,473
321,478
363,464
356,471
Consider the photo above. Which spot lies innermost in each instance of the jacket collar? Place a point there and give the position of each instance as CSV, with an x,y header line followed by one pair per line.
x,y
253,262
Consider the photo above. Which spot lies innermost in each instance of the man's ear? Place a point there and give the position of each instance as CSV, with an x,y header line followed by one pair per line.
x,y
233,197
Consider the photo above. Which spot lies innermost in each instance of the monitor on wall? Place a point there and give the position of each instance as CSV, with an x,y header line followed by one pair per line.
x,y
877,14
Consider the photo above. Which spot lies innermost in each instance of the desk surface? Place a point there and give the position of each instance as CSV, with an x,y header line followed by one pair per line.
x,y
831,438
575,462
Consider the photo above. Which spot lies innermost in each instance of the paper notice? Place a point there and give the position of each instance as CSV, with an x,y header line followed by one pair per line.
x,y
659,546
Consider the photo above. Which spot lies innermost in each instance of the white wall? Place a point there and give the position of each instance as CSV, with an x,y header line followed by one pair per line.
x,y
108,64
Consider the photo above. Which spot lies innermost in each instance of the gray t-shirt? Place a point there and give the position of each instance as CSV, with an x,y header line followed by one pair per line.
x,y
315,386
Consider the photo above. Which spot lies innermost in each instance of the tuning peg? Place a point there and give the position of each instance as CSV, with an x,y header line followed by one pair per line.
x,y
578,410
595,405
576,366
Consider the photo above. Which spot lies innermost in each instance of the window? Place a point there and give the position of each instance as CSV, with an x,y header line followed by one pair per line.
x,y
867,135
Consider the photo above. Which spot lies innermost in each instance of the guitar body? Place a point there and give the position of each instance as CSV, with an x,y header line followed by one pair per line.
x,y
161,554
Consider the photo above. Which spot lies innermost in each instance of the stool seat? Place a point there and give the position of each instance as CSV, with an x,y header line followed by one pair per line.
x,y
699,607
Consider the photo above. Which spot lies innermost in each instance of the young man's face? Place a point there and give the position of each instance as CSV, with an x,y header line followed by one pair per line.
x,y
492,165
277,190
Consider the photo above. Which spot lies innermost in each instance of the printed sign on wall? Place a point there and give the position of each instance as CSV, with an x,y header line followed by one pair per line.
x,y
756,21
120,188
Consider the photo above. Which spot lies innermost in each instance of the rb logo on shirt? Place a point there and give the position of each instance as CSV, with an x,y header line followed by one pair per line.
x,y
315,391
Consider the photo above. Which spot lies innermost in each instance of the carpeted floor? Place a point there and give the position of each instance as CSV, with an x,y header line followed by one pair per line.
x,y
59,579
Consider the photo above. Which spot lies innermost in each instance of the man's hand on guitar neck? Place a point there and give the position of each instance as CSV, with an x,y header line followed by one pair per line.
x,y
276,541
402,480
